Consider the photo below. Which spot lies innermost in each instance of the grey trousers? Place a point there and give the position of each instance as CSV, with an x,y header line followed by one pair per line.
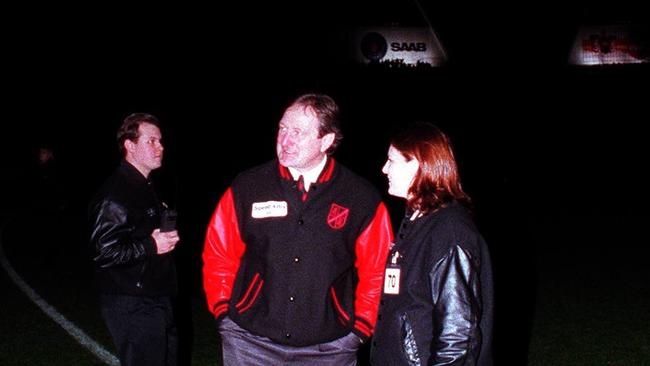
x,y
241,348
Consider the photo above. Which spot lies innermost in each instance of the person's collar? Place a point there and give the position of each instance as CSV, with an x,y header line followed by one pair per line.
x,y
132,171
311,175
141,169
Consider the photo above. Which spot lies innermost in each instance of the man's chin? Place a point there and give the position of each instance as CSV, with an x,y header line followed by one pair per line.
x,y
286,162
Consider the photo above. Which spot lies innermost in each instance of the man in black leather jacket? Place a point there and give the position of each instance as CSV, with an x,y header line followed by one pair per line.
x,y
135,272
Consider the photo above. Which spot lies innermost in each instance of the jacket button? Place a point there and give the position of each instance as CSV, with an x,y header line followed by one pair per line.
x,y
291,298
288,335
300,222
296,259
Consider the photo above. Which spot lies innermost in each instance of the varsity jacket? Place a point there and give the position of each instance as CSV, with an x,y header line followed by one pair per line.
x,y
440,313
300,268
122,215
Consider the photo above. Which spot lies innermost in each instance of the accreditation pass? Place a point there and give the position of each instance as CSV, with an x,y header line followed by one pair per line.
x,y
392,276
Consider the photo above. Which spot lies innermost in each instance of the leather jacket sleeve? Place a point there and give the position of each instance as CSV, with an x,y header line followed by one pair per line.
x,y
456,297
372,248
221,255
116,242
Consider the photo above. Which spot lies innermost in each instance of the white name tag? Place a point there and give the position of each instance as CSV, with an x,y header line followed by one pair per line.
x,y
391,281
269,209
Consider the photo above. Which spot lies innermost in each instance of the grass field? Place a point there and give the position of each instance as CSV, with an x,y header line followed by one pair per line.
x,y
51,259
591,299
594,292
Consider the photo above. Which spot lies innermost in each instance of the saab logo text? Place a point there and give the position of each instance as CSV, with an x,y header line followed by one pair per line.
x,y
408,46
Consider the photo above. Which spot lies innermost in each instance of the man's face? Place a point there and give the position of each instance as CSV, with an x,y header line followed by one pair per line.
x,y
147,152
298,145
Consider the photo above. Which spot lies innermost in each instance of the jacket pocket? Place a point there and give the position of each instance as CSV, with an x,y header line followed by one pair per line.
x,y
409,346
251,294
343,317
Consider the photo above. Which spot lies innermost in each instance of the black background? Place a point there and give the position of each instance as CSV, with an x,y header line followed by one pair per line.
x,y
534,136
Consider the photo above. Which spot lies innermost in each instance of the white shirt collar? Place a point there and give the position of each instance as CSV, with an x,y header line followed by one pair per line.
x,y
311,175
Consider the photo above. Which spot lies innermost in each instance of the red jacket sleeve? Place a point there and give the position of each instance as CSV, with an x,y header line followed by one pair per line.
x,y
221,255
372,249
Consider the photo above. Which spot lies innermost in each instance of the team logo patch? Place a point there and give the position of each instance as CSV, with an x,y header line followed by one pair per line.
x,y
338,216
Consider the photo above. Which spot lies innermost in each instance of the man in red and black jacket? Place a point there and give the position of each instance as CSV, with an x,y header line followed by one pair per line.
x,y
295,251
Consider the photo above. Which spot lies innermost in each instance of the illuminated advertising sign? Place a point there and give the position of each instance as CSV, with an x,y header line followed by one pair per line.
x,y
410,46
613,44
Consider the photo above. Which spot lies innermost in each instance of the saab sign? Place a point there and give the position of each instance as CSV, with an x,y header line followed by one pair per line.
x,y
406,45
403,46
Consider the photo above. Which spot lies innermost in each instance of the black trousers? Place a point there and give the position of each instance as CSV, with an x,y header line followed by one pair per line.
x,y
143,329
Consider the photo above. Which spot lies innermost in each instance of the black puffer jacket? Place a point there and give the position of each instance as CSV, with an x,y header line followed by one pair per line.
x,y
443,312
122,216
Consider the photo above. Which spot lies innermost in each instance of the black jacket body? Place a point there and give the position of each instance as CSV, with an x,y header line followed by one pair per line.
x,y
443,312
122,216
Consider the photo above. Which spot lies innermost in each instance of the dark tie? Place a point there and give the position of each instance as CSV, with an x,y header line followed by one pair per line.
x,y
301,188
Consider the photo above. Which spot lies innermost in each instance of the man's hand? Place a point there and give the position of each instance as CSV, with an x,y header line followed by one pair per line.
x,y
165,242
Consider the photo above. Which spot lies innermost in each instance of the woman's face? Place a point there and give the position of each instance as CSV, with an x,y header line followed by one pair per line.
x,y
400,172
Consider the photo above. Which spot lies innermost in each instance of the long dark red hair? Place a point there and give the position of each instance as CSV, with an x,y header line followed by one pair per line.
x,y
437,181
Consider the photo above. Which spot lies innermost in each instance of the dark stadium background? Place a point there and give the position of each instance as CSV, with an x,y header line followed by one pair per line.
x,y
553,155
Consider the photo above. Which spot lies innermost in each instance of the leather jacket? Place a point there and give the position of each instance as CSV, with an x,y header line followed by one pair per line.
x,y
442,314
123,215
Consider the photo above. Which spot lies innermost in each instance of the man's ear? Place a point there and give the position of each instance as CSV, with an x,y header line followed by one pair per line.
x,y
129,145
327,141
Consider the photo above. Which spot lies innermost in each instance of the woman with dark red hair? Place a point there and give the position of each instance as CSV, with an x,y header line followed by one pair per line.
x,y
436,306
